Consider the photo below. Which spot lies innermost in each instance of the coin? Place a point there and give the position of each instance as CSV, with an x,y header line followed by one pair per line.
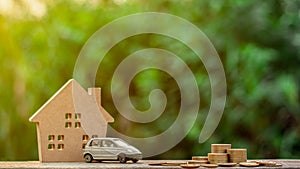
x,y
190,165
227,164
267,163
249,164
209,165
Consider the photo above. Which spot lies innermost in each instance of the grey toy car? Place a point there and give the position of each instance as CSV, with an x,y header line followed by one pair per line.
x,y
103,149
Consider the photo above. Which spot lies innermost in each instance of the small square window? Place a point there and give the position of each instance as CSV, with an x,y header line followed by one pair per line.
x,y
83,146
77,125
68,125
85,137
68,116
51,137
77,116
60,146
51,146
60,137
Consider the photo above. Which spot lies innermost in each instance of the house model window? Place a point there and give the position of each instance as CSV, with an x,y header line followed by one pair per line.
x,y
68,116
51,137
83,145
77,116
60,137
68,125
77,125
51,146
60,146
85,137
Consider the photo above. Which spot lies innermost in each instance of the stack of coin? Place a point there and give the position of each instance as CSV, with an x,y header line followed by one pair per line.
x,y
237,155
217,158
220,148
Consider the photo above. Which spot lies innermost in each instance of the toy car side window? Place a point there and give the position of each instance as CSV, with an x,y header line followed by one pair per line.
x,y
94,143
107,143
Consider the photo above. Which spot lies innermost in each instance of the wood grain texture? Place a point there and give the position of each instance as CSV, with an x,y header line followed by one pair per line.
x,y
117,165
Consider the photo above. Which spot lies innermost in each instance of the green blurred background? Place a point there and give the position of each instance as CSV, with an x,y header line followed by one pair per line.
x,y
258,42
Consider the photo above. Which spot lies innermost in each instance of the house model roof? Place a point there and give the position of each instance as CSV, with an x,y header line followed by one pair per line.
x,y
82,101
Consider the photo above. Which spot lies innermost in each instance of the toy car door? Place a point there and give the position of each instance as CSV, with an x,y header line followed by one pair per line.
x,y
95,149
109,149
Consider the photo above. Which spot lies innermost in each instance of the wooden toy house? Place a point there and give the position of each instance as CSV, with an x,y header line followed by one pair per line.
x,y
67,121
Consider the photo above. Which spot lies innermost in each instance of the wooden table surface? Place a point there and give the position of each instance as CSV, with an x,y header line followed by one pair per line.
x,y
116,165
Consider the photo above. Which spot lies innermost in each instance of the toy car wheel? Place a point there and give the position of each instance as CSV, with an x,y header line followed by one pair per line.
x,y
88,158
122,158
134,160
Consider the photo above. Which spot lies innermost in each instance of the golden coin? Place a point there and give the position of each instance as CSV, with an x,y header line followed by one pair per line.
x,y
249,164
227,164
209,165
267,163
190,165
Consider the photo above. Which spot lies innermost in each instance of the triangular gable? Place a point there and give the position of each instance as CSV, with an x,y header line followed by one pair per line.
x,y
34,117
72,82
